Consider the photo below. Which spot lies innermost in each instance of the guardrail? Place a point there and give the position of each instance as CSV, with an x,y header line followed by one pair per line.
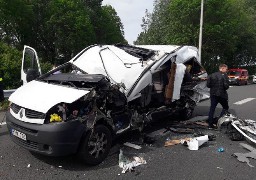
x,y
7,93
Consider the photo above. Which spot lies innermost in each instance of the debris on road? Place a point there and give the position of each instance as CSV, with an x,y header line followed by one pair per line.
x,y
238,127
221,149
194,143
128,165
132,145
244,157
28,166
175,141
188,127
181,130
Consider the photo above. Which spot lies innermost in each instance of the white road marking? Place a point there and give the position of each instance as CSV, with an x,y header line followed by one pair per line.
x,y
2,123
244,101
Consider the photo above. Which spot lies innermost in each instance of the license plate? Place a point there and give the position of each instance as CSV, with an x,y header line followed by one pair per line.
x,y
19,134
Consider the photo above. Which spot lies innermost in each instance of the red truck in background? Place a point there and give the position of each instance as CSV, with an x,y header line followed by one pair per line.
x,y
238,76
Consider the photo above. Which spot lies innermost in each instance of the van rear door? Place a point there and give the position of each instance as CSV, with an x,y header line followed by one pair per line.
x,y
30,68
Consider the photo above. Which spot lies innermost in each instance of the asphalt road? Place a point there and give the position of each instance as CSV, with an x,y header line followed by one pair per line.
x,y
175,162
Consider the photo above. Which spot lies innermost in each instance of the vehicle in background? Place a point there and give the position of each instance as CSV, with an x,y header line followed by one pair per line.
x,y
103,91
254,78
238,76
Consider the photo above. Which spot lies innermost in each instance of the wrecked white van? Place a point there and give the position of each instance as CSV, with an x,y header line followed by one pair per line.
x,y
103,91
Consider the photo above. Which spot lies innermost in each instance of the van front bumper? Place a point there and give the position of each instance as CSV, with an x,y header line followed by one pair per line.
x,y
54,139
233,81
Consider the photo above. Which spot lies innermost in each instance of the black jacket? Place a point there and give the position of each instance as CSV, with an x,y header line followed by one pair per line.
x,y
218,84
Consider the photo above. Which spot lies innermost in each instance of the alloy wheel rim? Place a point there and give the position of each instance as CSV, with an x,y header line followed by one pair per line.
x,y
97,144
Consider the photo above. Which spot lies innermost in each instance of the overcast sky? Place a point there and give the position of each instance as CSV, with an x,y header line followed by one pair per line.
x,y
131,13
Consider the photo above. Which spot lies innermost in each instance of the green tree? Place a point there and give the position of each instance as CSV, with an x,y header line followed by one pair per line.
x,y
112,27
70,27
15,21
228,30
58,29
10,60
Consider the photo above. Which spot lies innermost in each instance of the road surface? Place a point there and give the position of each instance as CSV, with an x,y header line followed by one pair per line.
x,y
175,162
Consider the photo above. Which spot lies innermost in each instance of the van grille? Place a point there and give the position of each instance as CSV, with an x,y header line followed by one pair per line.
x,y
28,112
15,108
34,114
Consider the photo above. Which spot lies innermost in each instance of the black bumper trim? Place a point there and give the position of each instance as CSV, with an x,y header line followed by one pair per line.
x,y
54,139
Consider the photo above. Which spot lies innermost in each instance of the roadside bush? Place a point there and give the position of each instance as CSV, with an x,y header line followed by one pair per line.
x,y
10,65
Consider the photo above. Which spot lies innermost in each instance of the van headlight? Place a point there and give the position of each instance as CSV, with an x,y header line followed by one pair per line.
x,y
57,113
55,118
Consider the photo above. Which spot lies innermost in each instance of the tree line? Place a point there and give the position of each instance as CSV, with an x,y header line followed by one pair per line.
x,y
229,29
57,29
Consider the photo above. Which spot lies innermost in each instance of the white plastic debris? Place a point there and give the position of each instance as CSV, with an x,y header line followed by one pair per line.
x,y
194,143
129,165
29,166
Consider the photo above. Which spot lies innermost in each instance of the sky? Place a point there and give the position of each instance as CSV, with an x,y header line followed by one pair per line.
x,y
131,13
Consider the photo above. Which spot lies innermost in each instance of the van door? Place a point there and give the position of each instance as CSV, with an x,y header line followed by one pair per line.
x,y
30,68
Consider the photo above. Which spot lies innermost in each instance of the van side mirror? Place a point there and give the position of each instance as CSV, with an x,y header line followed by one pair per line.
x,y
32,74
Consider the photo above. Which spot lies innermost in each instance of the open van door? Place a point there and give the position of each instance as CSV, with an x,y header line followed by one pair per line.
x,y
30,68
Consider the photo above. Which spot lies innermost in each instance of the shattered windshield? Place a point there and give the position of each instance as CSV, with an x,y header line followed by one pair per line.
x,y
70,75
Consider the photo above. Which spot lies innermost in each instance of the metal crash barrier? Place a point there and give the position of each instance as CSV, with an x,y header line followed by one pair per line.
x,y
7,93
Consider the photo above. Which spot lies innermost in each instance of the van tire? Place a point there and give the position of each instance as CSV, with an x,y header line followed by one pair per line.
x,y
95,145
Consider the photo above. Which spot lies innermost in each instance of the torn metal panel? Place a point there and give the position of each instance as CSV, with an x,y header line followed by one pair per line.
x,y
246,127
244,157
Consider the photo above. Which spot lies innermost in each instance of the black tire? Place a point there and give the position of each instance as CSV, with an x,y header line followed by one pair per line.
x,y
95,146
239,83
186,113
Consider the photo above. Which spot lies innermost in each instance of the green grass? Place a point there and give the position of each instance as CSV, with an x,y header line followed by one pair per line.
x,y
4,105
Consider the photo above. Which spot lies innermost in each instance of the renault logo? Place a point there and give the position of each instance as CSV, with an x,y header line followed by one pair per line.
x,y
22,112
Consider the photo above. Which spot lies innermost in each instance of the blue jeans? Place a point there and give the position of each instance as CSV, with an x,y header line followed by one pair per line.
x,y
214,102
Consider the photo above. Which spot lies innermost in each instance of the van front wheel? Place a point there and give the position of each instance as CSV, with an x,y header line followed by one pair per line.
x,y
95,145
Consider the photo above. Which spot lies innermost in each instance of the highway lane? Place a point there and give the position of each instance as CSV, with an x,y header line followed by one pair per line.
x,y
236,94
175,162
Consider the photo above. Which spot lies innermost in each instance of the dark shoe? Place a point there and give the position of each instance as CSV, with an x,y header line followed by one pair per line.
x,y
215,120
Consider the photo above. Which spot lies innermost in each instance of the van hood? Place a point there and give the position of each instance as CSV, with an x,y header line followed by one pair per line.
x,y
41,96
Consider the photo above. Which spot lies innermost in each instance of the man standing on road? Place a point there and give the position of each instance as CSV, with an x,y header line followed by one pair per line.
x,y
218,84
